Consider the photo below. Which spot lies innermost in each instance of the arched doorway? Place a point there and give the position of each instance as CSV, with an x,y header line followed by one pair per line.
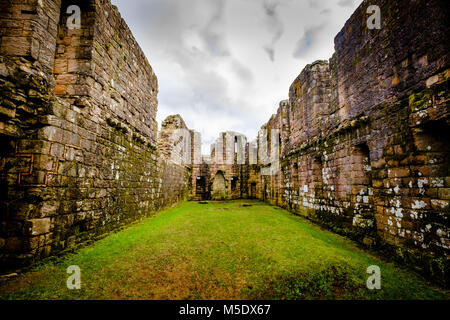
x,y
219,187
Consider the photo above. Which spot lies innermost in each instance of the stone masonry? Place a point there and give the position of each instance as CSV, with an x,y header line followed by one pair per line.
x,y
360,146
365,136
77,125
222,175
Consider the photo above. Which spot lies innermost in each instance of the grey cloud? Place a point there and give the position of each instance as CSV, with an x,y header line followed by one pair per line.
x,y
214,39
270,8
346,3
200,92
314,3
242,72
275,26
216,44
306,43
270,52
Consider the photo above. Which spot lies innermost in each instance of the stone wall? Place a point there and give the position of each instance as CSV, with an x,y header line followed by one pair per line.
x,y
367,152
224,174
179,144
361,145
78,130
27,47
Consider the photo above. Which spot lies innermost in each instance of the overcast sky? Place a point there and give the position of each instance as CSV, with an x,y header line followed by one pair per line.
x,y
226,64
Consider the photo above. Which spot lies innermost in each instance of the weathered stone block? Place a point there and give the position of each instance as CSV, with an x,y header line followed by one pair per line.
x,y
13,244
444,193
39,226
16,46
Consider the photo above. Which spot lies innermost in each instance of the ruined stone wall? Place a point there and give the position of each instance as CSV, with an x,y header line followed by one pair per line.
x,y
224,174
28,30
27,47
274,142
78,133
368,153
361,146
177,143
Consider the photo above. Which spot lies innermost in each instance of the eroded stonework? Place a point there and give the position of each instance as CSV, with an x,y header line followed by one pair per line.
x,y
79,138
223,174
361,146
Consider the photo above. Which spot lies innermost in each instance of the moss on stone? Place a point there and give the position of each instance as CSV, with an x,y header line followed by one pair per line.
x,y
419,101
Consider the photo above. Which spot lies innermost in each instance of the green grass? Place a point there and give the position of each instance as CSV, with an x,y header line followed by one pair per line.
x,y
221,250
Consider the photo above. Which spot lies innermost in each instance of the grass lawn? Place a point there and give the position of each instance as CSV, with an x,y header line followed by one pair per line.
x,y
221,250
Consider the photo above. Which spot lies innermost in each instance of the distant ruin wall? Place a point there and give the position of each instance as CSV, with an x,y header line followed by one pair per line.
x,y
367,152
225,174
77,125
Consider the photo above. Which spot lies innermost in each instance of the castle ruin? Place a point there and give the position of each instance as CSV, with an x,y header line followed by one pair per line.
x,y
361,146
